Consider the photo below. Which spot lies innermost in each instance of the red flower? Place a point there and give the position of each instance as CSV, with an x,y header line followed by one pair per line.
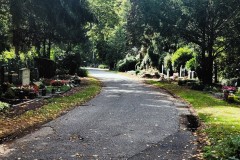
x,y
229,88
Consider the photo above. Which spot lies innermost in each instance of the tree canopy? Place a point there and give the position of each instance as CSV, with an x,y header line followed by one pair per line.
x,y
106,31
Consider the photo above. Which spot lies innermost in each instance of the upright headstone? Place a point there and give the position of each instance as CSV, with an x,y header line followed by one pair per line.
x,y
193,73
189,74
181,71
168,73
13,77
4,77
24,76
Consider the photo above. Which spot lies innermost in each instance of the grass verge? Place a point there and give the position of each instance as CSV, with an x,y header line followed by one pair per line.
x,y
10,127
221,121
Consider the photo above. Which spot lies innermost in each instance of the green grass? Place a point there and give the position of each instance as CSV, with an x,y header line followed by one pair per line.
x,y
221,119
63,88
50,111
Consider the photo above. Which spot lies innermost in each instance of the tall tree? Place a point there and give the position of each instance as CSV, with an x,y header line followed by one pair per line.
x,y
203,22
108,35
4,25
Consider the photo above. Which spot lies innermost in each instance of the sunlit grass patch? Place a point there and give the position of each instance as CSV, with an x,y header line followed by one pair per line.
x,y
222,120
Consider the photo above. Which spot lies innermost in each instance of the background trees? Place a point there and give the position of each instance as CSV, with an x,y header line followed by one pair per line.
x,y
43,24
206,23
108,34
106,31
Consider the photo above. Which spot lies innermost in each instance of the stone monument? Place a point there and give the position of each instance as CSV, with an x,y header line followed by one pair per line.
x,y
24,76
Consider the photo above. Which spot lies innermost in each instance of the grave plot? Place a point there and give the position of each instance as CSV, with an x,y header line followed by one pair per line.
x,y
24,90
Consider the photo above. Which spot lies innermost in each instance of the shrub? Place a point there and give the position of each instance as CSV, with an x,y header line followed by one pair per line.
x,y
46,67
103,66
6,86
4,106
69,63
82,72
137,72
231,82
41,86
9,94
127,64
191,64
181,56
228,148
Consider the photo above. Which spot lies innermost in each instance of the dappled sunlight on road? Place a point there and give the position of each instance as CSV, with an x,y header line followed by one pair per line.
x,y
4,150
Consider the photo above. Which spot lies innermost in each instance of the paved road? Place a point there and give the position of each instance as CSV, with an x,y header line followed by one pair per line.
x,y
128,120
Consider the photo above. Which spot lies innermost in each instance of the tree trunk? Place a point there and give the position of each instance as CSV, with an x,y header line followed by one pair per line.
x,y
207,74
49,49
215,73
17,55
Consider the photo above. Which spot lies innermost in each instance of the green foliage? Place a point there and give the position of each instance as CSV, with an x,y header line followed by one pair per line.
x,y
191,64
103,66
227,148
9,94
168,61
4,106
46,67
228,64
108,36
154,58
4,25
63,88
70,62
127,64
181,56
82,72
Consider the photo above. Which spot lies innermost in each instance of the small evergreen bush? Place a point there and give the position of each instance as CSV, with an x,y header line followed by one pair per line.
x,y
127,64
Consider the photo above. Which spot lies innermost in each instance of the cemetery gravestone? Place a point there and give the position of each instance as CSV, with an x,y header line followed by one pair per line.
x,y
189,74
168,73
193,75
13,77
24,76
4,77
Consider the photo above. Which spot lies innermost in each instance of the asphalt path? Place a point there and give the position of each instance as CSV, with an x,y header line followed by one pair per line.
x,y
127,120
